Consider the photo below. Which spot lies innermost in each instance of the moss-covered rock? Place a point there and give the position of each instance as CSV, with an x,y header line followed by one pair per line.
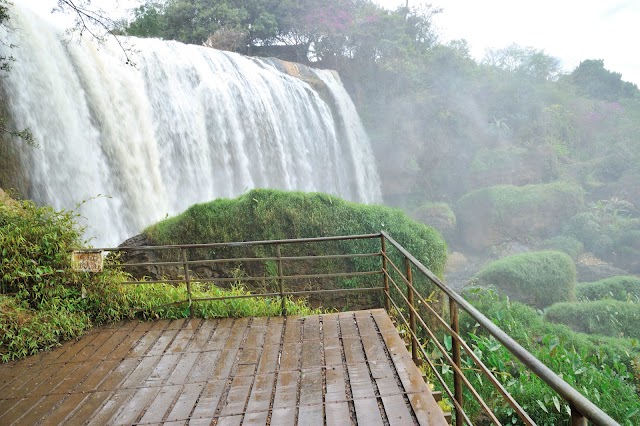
x,y
496,214
604,317
538,279
623,288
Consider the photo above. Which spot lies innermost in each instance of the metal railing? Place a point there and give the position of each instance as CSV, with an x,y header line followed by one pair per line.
x,y
399,272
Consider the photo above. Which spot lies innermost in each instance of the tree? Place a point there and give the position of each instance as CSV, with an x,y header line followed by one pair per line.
x,y
593,80
527,61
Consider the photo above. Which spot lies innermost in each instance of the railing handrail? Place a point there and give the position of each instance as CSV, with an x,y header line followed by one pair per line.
x,y
240,243
564,389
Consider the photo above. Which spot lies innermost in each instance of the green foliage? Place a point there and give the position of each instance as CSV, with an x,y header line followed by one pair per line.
x,y
45,302
623,288
567,244
606,317
593,80
147,297
601,368
562,198
538,279
265,214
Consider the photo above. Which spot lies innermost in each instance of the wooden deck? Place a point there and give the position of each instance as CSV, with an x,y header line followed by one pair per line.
x,y
336,369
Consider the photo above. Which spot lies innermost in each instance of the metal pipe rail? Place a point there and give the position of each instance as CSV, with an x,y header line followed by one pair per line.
x,y
581,408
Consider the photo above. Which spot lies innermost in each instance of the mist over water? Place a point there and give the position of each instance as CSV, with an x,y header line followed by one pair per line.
x,y
188,124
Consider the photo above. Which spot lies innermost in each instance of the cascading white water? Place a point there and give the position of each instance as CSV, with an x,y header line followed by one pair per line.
x,y
187,124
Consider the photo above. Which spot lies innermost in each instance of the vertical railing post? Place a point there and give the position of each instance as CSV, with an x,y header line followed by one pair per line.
x,y
577,419
385,275
283,306
412,314
455,352
187,280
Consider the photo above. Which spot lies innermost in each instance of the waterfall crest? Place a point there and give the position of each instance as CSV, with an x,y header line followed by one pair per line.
x,y
187,124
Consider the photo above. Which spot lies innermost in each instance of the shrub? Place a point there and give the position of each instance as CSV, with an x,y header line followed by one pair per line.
x,y
605,317
536,278
567,244
48,302
623,288
604,369
500,213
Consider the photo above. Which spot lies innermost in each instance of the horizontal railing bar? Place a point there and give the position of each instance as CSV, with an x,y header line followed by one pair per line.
x,y
333,290
240,243
450,361
242,259
568,393
275,277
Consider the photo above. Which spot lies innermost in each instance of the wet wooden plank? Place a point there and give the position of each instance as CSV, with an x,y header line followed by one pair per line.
x,y
332,351
311,387
256,419
19,409
131,411
330,326
185,402
162,370
261,392
335,384
285,416
91,405
106,412
39,410
161,403
397,411
347,325
368,412
119,374
237,396
311,328
311,415
293,329
58,415
208,400
229,421
183,368
290,356
269,360
337,414
202,369
286,389
312,354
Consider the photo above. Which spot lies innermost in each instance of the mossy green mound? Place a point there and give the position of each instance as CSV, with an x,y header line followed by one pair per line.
x,y
496,214
538,279
604,317
267,214
623,288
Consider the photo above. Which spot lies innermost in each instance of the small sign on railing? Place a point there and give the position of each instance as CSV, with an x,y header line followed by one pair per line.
x,y
87,261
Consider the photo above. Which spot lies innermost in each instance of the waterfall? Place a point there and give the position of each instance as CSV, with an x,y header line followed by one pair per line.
x,y
186,124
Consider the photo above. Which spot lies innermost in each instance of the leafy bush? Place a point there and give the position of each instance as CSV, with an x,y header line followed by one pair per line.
x,y
496,214
605,317
604,369
623,288
567,244
46,302
537,278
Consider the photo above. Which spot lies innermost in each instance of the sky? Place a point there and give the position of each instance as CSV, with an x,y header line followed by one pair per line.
x,y
571,30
